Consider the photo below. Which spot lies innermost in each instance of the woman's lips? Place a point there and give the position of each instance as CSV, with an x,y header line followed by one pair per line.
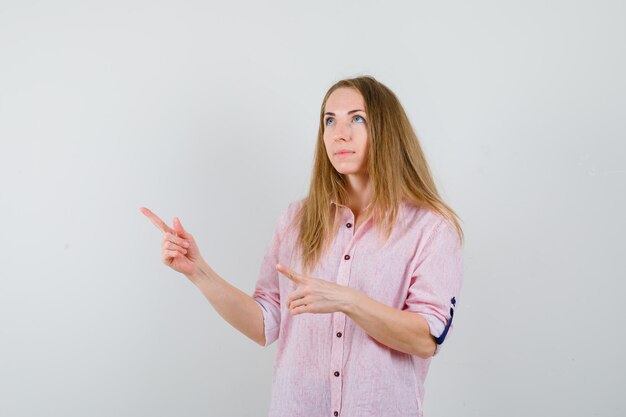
x,y
343,154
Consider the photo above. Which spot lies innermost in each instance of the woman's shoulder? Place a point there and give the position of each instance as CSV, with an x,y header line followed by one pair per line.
x,y
296,205
289,214
420,214
425,219
293,207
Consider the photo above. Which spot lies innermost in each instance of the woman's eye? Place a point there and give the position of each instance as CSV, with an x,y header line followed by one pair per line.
x,y
330,121
359,119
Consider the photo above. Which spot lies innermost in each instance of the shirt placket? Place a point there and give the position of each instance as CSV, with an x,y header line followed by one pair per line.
x,y
339,325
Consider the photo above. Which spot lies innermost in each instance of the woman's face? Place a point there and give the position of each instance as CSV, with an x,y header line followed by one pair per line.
x,y
345,131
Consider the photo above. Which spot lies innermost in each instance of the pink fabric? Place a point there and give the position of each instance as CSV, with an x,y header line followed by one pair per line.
x,y
418,270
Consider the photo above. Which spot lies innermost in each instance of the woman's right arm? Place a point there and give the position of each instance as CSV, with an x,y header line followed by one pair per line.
x,y
181,253
235,306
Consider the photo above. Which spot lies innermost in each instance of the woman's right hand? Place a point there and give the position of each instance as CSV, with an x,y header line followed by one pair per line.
x,y
178,248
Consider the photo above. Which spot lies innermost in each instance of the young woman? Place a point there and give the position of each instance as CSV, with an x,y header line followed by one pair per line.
x,y
360,280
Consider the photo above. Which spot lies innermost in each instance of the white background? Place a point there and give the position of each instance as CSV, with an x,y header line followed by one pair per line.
x,y
209,111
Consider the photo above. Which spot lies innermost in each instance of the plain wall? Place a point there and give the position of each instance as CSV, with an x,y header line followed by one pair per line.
x,y
209,111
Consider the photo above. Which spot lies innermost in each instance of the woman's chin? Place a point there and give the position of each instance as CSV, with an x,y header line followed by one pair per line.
x,y
350,172
344,171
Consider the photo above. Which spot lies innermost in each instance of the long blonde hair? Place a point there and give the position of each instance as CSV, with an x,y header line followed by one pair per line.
x,y
397,169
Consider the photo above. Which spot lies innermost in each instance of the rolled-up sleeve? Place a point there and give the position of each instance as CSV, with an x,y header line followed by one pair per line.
x,y
437,280
267,291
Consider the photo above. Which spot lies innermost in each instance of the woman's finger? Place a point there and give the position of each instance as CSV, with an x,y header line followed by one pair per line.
x,y
296,294
299,302
292,275
304,308
178,227
160,224
173,246
175,239
169,254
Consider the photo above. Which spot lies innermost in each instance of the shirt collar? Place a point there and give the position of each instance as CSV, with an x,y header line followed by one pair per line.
x,y
333,201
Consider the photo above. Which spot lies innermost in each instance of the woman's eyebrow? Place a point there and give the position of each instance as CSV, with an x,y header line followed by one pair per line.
x,y
350,112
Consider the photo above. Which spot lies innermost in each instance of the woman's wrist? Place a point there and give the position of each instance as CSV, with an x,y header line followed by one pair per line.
x,y
201,273
350,300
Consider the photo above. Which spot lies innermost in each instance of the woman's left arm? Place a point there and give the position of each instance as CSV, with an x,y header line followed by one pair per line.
x,y
429,306
400,330
404,331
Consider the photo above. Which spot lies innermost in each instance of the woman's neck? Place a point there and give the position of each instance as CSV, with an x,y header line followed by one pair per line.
x,y
360,193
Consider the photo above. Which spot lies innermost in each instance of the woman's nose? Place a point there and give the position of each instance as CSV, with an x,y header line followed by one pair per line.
x,y
342,131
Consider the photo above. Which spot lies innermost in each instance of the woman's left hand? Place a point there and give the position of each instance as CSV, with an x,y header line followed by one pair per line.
x,y
314,295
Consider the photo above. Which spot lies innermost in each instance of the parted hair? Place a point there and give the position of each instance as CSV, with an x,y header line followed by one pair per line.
x,y
397,169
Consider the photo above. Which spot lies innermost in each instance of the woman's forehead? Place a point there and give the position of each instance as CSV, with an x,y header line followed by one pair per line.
x,y
344,99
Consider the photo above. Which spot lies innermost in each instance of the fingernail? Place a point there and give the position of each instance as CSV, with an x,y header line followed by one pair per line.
x,y
186,244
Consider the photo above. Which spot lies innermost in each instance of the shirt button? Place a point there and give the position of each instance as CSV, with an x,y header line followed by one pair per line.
x,y
349,225
336,413
339,334
347,257
336,373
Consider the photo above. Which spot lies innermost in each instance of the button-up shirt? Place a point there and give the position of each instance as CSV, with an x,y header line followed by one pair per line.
x,y
326,365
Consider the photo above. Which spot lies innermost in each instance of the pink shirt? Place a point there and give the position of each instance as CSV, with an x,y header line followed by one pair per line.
x,y
326,365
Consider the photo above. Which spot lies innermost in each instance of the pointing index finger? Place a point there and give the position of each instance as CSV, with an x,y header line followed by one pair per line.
x,y
160,224
290,274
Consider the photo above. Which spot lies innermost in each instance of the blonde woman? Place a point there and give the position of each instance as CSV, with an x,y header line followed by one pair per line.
x,y
360,281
